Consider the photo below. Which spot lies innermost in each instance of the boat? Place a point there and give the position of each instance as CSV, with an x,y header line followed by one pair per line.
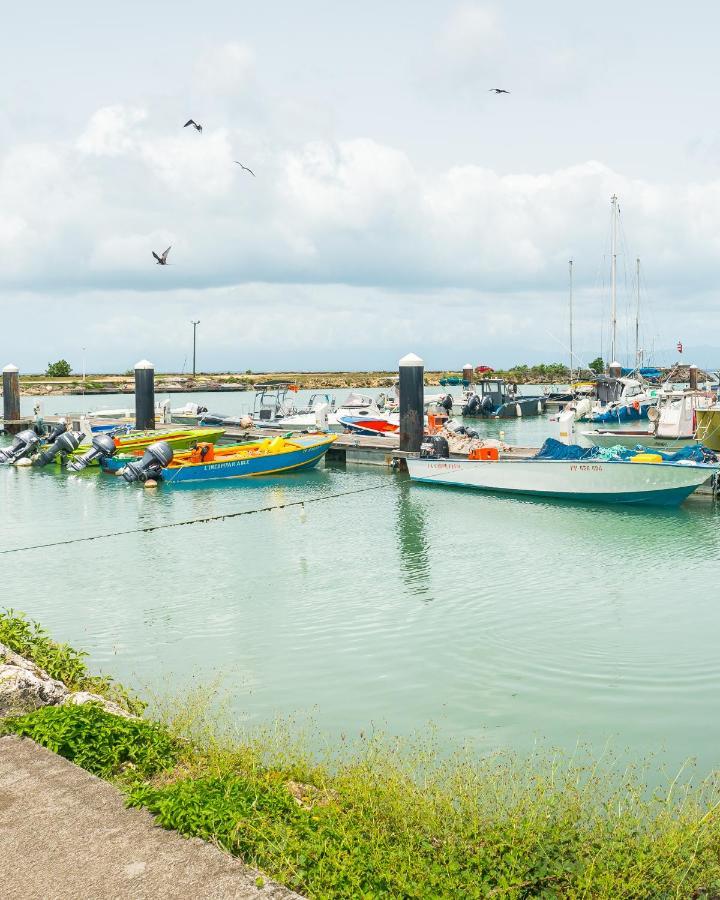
x,y
497,399
319,405
361,414
271,456
708,427
574,473
621,399
674,423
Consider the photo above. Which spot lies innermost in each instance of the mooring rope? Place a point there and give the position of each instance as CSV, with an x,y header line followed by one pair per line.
x,y
200,521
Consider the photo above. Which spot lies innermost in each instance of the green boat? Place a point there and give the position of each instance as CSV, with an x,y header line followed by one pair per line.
x,y
133,442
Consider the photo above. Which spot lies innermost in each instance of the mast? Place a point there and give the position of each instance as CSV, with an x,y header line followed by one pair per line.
x,y
637,317
613,278
570,265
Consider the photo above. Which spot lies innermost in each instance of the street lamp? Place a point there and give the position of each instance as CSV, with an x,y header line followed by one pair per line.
x,y
194,324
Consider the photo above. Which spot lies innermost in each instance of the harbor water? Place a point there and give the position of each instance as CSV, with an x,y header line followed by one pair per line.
x,y
361,601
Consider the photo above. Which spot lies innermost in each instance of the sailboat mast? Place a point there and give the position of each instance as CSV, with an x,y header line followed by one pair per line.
x,y
613,278
570,264
637,317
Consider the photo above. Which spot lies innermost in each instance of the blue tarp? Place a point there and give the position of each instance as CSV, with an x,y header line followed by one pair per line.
x,y
646,372
553,449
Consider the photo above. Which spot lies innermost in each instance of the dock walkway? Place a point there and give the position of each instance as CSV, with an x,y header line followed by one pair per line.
x,y
65,834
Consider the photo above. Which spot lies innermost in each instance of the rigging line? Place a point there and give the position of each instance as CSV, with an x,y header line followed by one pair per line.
x,y
201,521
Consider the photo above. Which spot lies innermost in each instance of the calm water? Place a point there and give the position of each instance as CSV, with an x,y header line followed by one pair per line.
x,y
500,620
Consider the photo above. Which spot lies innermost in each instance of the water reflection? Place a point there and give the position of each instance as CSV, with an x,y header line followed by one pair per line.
x,y
412,540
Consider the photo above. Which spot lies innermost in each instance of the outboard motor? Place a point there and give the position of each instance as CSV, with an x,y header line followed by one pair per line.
x,y
24,444
102,445
447,403
153,461
472,406
66,443
58,429
434,447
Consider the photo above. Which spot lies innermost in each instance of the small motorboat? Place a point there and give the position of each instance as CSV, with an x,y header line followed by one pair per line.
x,y
361,414
572,473
205,462
495,398
621,400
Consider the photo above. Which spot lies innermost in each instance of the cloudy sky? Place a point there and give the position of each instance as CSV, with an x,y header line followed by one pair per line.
x,y
398,205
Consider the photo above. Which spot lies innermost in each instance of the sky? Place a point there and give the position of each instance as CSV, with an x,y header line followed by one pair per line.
x,y
398,205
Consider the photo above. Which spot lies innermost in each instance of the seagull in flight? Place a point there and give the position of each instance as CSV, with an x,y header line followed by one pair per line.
x,y
244,167
194,124
162,260
498,91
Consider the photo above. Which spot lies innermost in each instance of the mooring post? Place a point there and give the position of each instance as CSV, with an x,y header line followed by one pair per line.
x,y
412,400
11,399
468,373
144,395
693,376
615,370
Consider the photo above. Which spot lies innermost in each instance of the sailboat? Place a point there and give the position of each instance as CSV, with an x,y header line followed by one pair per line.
x,y
620,398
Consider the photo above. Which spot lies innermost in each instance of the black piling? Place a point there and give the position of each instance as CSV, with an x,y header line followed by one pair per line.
x,y
412,371
144,395
615,370
11,399
693,376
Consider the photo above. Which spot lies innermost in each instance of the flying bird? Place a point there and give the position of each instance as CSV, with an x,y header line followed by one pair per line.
x,y
498,91
162,260
244,167
194,124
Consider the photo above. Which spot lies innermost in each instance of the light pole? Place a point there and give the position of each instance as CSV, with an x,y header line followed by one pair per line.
x,y
194,324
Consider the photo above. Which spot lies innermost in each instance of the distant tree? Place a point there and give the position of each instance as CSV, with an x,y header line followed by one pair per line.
x,y
59,369
597,365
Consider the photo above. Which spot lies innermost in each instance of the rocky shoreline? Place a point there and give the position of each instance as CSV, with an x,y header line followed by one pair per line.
x,y
25,687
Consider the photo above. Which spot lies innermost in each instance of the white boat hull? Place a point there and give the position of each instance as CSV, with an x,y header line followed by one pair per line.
x,y
632,439
664,484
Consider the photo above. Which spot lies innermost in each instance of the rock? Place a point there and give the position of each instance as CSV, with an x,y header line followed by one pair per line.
x,y
78,698
23,690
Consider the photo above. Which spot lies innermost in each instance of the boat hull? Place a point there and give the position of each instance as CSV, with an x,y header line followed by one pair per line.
x,y
708,428
622,414
522,407
666,484
305,455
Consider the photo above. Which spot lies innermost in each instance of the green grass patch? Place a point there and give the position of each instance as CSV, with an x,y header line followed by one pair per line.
x,y
60,661
104,744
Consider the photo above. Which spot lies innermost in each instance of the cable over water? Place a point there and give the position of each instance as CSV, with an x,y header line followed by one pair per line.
x,y
199,521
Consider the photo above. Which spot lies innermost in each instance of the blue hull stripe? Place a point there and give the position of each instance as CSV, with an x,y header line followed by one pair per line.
x,y
672,497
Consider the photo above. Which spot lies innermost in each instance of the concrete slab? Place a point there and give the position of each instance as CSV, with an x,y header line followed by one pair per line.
x,y
65,834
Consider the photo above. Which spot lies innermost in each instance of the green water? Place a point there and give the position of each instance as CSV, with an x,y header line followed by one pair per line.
x,y
500,620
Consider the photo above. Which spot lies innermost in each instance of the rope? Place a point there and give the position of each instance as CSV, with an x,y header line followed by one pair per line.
x,y
201,521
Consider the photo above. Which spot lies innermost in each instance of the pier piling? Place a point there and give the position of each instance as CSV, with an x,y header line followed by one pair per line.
x,y
468,372
693,377
615,370
412,371
11,399
144,395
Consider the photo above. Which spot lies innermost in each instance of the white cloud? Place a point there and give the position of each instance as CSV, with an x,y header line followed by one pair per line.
x,y
109,131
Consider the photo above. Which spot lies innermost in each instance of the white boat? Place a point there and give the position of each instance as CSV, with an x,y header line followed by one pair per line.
x,y
656,483
310,416
673,424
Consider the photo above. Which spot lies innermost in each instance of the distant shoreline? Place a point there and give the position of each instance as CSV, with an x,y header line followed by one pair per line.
x,y
167,383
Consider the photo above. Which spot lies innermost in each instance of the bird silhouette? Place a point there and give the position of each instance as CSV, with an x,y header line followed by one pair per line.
x,y
194,124
244,167
162,260
498,91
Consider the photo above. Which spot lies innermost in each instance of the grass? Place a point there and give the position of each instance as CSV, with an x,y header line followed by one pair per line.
x,y
60,661
395,819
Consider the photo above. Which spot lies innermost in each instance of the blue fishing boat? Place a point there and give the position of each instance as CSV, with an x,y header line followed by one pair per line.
x,y
206,462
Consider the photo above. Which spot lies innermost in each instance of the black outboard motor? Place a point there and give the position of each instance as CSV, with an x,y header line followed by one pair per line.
x,y
435,446
447,403
66,443
102,445
59,429
153,461
24,444
472,406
